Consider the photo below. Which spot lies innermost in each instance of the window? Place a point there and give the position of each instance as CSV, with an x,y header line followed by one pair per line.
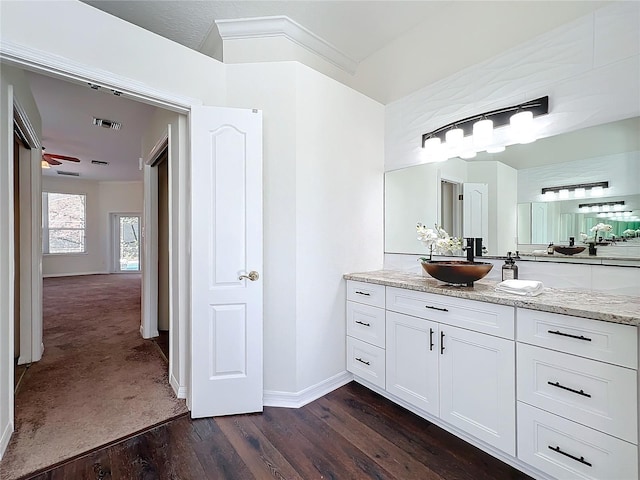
x,y
63,222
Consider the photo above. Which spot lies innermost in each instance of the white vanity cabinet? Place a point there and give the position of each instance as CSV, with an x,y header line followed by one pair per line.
x,y
554,395
577,384
461,375
366,331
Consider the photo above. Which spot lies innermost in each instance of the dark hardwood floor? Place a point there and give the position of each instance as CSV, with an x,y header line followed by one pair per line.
x,y
351,433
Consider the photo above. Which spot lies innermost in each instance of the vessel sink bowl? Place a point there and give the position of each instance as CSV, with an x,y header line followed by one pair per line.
x,y
568,250
457,272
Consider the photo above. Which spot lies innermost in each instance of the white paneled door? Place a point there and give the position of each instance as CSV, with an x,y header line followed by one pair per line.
x,y
475,215
226,261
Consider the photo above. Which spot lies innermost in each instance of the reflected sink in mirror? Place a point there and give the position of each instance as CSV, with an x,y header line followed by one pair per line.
x,y
457,272
566,250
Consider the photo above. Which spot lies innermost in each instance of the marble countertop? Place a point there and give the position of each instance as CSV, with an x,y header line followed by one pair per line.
x,y
582,303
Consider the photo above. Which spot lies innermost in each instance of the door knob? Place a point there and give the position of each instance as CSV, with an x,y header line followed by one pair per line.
x,y
252,275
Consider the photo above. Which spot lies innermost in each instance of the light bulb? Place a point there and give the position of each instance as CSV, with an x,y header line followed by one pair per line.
x,y
618,207
482,133
564,193
597,191
45,164
432,149
549,195
522,126
468,155
454,136
579,193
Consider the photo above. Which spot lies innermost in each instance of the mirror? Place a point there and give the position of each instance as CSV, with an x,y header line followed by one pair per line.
x,y
608,152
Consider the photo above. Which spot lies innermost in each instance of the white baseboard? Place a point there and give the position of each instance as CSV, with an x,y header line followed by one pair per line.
x,y
4,439
76,274
299,399
180,391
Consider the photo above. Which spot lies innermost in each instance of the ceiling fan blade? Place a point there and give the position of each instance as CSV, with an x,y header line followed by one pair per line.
x,y
61,157
51,161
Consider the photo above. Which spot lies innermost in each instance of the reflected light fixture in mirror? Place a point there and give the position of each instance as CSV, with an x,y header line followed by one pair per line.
x,y
596,189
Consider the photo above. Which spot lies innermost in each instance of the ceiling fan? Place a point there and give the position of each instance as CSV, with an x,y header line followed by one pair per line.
x,y
49,159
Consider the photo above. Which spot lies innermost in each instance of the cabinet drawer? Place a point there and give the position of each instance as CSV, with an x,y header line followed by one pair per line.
x,y
368,293
595,394
606,341
567,450
366,323
482,317
366,361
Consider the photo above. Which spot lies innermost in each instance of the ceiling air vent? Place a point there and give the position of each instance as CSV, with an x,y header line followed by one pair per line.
x,y
104,123
99,162
68,174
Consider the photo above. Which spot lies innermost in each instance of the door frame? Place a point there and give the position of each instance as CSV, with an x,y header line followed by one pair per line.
x,y
115,241
46,63
30,177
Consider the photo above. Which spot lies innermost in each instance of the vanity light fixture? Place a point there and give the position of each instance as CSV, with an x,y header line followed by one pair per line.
x,y
597,186
480,127
615,205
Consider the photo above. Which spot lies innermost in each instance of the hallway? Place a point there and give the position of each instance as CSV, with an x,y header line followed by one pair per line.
x,y
98,380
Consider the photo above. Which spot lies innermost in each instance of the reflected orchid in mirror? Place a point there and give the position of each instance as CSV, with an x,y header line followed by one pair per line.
x,y
437,240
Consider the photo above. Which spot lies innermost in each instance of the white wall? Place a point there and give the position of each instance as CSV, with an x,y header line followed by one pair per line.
x,y
590,68
272,88
111,47
339,210
103,198
322,212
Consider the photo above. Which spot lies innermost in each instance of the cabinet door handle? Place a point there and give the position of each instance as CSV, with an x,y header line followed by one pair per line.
x,y
441,342
580,392
362,323
363,293
363,361
581,459
579,337
431,339
436,308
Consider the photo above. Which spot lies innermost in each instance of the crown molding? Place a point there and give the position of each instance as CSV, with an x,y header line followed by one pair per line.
x,y
42,61
282,26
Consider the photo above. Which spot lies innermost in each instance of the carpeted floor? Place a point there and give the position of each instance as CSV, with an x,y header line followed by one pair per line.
x,y
98,380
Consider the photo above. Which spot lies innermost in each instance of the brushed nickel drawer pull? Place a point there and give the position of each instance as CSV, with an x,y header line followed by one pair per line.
x,y
581,459
362,361
581,392
578,337
362,323
363,293
436,308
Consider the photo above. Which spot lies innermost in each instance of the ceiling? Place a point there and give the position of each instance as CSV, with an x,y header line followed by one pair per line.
x,y
384,37
67,111
357,28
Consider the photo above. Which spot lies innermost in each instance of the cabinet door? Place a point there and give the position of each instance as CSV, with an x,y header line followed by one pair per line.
x,y
477,386
412,360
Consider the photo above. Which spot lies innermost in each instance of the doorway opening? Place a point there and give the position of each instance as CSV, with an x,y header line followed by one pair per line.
x,y
451,207
126,242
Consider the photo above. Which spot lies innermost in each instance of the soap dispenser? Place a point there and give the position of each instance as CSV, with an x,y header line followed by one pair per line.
x,y
509,269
